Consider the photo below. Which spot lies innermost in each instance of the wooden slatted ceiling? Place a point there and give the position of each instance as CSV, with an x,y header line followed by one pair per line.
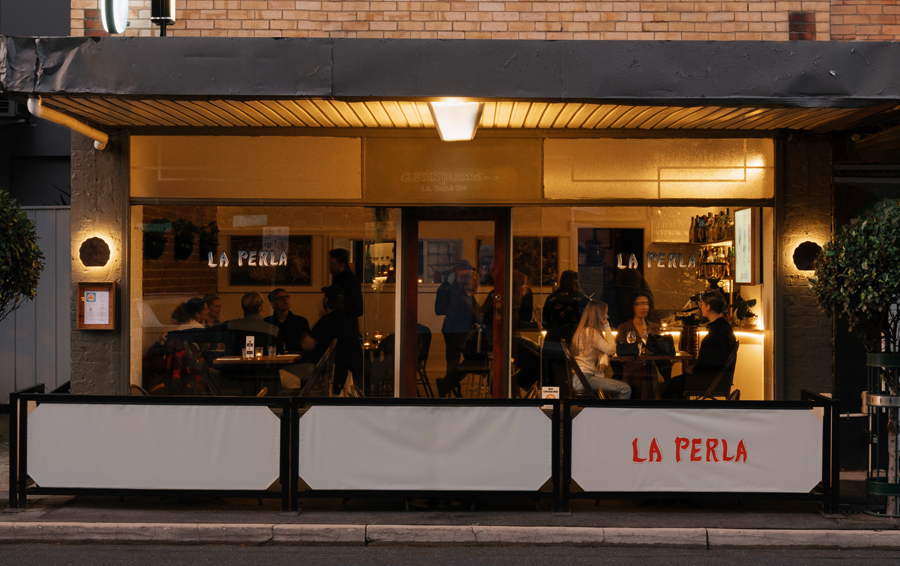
x,y
322,113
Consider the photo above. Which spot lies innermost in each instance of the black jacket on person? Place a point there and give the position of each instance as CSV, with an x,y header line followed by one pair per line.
x,y
715,348
291,330
353,301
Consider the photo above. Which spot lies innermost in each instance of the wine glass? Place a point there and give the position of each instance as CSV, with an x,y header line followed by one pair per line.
x,y
631,337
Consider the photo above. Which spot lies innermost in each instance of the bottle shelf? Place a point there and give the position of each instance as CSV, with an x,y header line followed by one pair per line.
x,y
717,243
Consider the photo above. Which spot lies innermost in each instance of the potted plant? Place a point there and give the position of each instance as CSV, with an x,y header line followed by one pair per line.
x,y
857,278
21,260
154,237
185,231
209,240
743,316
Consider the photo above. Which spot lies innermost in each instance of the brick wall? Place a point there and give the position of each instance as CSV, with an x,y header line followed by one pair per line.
x,y
865,20
166,275
674,20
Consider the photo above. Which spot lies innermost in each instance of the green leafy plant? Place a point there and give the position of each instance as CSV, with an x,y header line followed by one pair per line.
x,y
156,229
857,277
209,235
185,230
21,260
741,309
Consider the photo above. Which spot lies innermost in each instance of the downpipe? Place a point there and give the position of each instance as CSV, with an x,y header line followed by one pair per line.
x,y
101,140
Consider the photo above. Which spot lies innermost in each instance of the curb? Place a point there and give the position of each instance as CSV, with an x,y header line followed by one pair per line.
x,y
417,535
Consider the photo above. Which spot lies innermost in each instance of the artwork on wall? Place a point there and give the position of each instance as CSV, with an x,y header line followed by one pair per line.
x,y
539,256
536,256
297,273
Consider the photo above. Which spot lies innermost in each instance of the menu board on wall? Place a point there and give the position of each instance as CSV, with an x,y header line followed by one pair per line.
x,y
746,246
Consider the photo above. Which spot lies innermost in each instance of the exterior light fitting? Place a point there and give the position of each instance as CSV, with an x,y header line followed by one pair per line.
x,y
94,252
805,256
456,121
162,13
114,14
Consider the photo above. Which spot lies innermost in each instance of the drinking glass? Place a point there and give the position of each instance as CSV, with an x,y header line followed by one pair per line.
x,y
259,352
631,337
271,351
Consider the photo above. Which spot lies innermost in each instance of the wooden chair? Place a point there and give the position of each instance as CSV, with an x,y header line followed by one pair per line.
x,y
719,386
572,369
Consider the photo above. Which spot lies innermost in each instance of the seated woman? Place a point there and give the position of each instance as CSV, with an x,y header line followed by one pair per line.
x,y
592,345
635,372
715,348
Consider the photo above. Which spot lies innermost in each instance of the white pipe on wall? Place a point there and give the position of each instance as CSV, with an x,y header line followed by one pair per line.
x,y
35,106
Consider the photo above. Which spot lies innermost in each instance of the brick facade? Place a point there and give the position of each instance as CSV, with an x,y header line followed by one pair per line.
x,y
167,275
675,20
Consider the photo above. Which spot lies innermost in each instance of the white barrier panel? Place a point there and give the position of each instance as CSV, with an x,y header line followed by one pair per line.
x,y
153,447
702,450
425,448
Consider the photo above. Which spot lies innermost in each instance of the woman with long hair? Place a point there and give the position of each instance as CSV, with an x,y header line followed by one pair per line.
x,y
639,326
592,345
191,313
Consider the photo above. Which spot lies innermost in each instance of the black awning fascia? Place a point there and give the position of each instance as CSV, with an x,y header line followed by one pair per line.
x,y
804,74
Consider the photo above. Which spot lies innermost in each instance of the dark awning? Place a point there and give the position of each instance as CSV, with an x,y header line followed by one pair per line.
x,y
631,84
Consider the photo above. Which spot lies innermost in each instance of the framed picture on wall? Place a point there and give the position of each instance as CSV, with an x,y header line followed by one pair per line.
x,y
539,256
746,246
298,251
485,261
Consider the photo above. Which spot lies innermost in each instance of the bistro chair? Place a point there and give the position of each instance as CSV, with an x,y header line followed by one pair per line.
x,y
476,363
319,385
718,386
423,346
572,370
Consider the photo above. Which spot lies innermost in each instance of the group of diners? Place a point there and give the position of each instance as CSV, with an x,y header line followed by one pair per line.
x,y
290,333
584,323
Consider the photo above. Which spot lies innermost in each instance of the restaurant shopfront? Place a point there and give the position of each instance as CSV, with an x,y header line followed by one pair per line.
x,y
243,179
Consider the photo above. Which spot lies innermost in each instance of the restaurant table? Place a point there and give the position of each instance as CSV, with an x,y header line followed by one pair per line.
x,y
263,362
651,367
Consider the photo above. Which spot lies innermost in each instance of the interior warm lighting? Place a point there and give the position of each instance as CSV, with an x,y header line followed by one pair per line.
x,y
456,121
114,14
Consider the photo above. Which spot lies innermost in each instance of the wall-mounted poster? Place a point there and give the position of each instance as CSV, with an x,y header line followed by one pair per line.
x,y
746,246
297,272
96,306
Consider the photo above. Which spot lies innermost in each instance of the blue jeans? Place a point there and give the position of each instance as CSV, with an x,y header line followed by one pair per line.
x,y
613,388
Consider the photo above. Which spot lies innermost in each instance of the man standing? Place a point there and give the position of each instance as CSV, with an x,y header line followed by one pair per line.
x,y
343,277
292,327
340,325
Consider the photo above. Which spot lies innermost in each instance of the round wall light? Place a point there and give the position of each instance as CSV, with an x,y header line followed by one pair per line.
x,y
114,14
94,252
805,255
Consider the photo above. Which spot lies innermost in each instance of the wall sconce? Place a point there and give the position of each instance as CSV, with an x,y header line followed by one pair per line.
x,y
114,14
456,121
805,255
162,13
94,252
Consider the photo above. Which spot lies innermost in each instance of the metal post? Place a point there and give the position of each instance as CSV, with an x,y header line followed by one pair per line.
x,y
284,463
23,452
295,453
555,456
827,477
835,458
13,450
567,456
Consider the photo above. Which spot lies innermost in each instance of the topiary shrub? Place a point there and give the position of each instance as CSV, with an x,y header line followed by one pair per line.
x,y
21,260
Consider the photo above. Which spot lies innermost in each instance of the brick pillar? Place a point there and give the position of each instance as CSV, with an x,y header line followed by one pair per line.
x,y
100,208
805,212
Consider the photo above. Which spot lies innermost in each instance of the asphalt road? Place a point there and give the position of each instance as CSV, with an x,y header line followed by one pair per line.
x,y
97,555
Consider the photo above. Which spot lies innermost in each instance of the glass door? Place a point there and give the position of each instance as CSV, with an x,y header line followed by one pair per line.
x,y
454,302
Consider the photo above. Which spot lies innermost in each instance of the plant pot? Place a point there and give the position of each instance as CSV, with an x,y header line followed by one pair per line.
x,y
205,249
183,249
153,247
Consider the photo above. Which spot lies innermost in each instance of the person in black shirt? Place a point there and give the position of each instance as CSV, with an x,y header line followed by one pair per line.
x,y
337,324
343,277
292,327
715,348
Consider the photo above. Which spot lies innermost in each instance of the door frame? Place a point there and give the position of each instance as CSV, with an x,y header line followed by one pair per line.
x,y
408,287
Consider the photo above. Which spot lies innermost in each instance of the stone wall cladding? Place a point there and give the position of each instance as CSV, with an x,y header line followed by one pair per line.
x,y
642,20
99,196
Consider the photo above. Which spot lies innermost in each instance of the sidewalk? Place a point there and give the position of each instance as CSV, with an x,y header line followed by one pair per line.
x,y
702,523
